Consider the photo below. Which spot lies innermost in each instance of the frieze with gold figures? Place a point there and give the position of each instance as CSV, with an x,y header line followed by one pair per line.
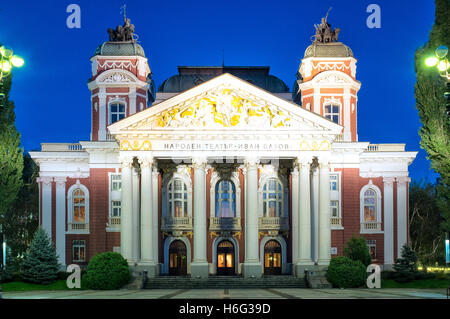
x,y
219,108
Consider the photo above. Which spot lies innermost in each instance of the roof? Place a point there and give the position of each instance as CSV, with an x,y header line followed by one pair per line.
x,y
120,48
325,50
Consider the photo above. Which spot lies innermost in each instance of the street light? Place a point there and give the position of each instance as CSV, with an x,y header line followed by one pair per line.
x,y
8,61
440,61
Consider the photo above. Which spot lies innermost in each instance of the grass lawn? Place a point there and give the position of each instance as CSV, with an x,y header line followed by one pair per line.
x,y
25,286
422,283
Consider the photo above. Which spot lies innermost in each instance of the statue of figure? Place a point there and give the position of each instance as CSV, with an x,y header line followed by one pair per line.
x,y
336,34
122,33
324,32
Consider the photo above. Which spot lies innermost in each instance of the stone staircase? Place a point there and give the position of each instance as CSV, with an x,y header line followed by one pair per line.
x,y
224,282
317,278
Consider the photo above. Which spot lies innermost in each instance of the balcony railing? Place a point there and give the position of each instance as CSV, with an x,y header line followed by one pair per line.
x,y
273,223
386,148
79,227
176,223
225,223
336,221
61,147
114,222
370,226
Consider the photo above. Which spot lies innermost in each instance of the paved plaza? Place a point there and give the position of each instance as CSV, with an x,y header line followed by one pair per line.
x,y
272,293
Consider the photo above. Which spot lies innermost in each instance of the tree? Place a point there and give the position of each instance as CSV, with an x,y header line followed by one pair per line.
x,y
7,273
431,104
427,238
41,263
406,265
356,249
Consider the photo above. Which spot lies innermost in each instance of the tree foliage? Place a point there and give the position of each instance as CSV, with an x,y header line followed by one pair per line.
x,y
427,238
356,249
344,272
431,104
41,264
107,271
406,265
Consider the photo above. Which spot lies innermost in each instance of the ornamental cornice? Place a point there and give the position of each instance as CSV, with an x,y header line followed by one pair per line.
x,y
199,162
126,160
403,179
146,161
45,180
60,181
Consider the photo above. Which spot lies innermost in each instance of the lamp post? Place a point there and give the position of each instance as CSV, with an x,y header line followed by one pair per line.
x,y
440,61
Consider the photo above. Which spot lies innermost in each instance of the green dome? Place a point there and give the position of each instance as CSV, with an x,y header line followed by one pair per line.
x,y
120,48
328,50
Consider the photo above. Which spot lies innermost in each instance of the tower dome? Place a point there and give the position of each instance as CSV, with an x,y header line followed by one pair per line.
x,y
327,50
120,48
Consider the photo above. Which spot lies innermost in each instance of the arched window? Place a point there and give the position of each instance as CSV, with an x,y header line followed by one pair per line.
x,y
117,112
79,206
272,198
225,199
370,206
177,198
331,112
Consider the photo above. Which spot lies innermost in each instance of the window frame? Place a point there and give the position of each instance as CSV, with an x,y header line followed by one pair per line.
x,y
78,244
378,207
279,197
218,198
172,199
331,113
70,207
118,113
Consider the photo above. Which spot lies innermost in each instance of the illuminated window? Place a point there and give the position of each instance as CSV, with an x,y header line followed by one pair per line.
x,y
177,198
370,205
372,245
272,198
331,112
225,199
117,112
79,206
79,250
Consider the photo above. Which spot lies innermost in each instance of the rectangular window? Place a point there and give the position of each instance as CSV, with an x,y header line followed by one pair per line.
x,y
331,112
372,245
334,182
116,182
334,207
79,250
116,208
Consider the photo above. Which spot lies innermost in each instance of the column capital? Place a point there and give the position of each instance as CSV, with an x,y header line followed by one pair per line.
x,y
60,181
403,179
303,161
45,180
146,161
199,162
388,181
251,162
126,160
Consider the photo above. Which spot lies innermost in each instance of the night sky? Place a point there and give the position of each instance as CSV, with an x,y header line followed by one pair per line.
x,y
53,102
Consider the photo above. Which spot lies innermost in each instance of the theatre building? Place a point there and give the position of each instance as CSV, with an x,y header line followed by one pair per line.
x,y
224,170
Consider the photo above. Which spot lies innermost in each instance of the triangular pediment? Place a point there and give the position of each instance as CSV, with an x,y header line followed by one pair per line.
x,y
225,103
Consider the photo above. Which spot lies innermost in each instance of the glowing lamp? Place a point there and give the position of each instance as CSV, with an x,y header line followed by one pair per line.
x,y
17,61
442,65
7,53
6,66
431,61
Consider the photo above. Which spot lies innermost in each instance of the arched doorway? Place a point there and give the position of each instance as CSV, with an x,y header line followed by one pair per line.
x,y
272,258
225,258
177,258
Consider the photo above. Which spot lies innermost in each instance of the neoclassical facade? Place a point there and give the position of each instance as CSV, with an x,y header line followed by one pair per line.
x,y
222,170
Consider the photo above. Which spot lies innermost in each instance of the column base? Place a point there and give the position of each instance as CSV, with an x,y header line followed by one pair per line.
x,y
151,268
199,269
252,269
299,269
323,262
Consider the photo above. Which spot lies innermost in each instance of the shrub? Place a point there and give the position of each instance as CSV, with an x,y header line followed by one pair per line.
x,y
7,273
106,271
357,249
406,265
344,272
41,264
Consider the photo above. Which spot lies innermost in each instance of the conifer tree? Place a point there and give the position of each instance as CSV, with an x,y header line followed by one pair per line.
x,y
41,263
406,265
7,273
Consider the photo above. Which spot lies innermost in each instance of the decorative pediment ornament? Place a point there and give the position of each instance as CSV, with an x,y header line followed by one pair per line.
x,y
218,108
117,78
135,145
334,78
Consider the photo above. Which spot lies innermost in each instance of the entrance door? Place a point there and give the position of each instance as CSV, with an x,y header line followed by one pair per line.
x,y
225,258
272,258
177,259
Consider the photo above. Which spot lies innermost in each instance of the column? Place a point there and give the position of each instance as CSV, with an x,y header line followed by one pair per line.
x,y
295,199
135,213
126,218
324,213
346,109
46,213
315,215
147,212
132,98
252,266
61,220
304,217
155,215
199,265
102,114
402,213
388,221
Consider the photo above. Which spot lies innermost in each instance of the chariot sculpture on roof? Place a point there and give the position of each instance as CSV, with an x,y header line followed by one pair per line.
x,y
125,32
324,32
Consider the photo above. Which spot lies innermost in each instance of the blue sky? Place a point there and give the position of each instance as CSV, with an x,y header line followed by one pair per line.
x,y
53,101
